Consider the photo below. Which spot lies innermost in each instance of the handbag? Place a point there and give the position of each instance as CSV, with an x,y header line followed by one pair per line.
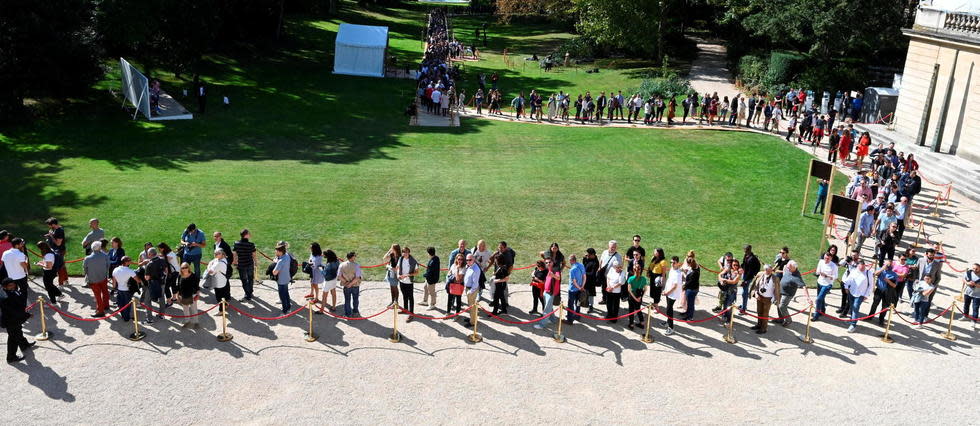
x,y
456,289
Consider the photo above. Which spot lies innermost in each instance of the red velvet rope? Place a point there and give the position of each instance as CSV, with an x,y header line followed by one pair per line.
x,y
941,314
604,319
436,318
491,314
966,314
31,307
266,318
798,311
656,308
353,318
55,308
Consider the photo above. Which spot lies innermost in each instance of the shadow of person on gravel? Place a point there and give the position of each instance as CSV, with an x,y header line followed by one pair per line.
x,y
44,378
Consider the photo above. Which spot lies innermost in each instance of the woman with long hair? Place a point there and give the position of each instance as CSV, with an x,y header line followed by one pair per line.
x,y
656,271
116,253
390,259
591,263
48,272
863,145
454,279
331,266
730,279
172,276
637,285
316,269
692,284
538,276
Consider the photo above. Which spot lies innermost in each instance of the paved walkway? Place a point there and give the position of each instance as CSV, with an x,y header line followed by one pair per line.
x,y
709,72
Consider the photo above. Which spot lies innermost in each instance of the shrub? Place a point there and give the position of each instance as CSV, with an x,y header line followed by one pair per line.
x,y
752,69
667,87
782,68
577,47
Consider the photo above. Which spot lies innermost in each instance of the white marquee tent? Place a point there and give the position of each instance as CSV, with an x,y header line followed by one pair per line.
x,y
360,50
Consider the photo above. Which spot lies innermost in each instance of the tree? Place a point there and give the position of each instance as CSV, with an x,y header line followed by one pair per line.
x,y
47,49
559,10
639,26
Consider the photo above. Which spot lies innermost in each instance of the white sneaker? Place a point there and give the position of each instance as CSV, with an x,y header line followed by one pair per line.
x,y
669,332
851,329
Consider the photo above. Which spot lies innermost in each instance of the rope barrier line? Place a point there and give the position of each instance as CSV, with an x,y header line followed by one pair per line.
x,y
923,176
66,314
798,311
605,319
965,314
946,261
27,309
266,318
541,318
413,314
199,313
352,318
941,314
657,308
852,319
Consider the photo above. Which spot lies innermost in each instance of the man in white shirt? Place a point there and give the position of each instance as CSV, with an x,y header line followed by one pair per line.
x,y
859,285
615,279
826,274
765,288
218,270
673,289
120,283
472,283
15,262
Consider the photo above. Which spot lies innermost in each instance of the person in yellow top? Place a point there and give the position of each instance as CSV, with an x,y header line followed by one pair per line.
x,y
658,267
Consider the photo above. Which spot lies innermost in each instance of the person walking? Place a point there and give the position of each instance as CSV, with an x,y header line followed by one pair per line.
x,y
96,266
245,259
121,277
190,285
349,275
12,318
406,270
765,289
859,286
281,271
826,274
49,264
192,241
431,278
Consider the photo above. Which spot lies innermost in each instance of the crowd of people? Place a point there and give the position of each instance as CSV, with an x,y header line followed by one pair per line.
x,y
436,74
164,276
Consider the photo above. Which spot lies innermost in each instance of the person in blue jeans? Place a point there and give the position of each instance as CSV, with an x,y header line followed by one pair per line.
x,y
821,196
692,284
860,283
349,276
281,272
576,285
920,299
971,293
193,240
729,280
826,273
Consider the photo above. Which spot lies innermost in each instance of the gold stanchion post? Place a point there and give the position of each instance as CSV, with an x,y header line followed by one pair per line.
x,y
395,335
730,337
958,298
646,336
948,335
888,326
475,337
935,211
43,335
949,189
225,335
310,336
137,334
917,235
809,319
560,338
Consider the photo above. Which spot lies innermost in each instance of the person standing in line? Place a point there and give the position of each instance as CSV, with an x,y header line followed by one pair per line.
x,y
631,253
576,288
460,249
591,263
220,243
656,272
96,266
637,286
281,272
406,270
478,101
59,243
673,289
13,318
692,285
765,288
850,264
245,259
431,278
390,260
349,275
923,290
859,286
482,256
826,274
154,273
552,289
471,280
95,234
538,277
971,293
790,280
331,266
454,279
501,274
116,252
552,107
49,272
885,291
121,276
750,267
729,280
615,280
4,241
190,285
865,227
192,239
171,273
608,256
315,263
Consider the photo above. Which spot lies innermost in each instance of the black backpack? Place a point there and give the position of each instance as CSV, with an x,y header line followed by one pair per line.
x,y
59,261
293,266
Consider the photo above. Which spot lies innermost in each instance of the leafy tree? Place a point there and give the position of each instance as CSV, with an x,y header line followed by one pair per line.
x,y
559,10
639,26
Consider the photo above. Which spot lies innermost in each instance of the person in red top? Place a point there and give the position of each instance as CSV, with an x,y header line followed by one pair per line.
x,y
801,96
862,148
910,165
844,148
4,242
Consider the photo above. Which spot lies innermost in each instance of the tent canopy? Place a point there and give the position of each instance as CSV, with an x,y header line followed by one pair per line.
x,y
360,50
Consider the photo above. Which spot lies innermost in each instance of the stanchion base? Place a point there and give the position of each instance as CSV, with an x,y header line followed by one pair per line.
x,y
887,339
933,214
560,338
958,298
395,337
949,336
730,340
310,337
805,339
224,337
475,338
137,336
647,340
42,336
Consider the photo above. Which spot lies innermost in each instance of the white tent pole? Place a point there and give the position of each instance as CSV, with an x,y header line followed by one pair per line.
x,y
139,102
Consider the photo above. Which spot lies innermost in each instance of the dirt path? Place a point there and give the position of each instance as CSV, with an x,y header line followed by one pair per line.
x,y
709,72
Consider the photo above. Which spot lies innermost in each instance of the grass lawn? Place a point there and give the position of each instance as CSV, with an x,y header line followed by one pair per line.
x,y
304,155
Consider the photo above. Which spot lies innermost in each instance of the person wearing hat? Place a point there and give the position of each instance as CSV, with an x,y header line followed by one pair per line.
x,y
14,317
765,288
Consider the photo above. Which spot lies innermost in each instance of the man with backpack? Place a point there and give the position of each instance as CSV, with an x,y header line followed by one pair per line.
x,y
96,266
283,271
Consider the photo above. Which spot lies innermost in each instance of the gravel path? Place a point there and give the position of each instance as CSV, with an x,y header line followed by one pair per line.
x,y
89,372
709,72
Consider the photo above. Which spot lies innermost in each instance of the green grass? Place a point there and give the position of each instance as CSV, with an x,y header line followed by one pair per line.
x,y
304,155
